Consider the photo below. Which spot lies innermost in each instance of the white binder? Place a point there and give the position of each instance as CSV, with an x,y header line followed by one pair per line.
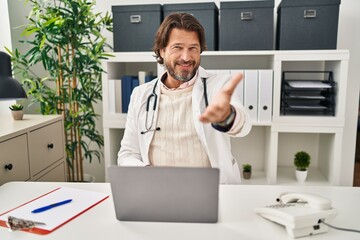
x,y
240,86
111,97
265,81
218,71
251,93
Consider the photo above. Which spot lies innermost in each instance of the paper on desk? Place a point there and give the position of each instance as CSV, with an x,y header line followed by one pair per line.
x,y
82,200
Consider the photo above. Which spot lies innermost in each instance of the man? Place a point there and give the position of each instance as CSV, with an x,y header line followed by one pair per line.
x,y
186,116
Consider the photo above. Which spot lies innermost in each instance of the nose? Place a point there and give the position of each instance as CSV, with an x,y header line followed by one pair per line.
x,y
185,55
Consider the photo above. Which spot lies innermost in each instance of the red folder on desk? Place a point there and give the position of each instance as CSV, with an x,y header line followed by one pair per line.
x,y
82,200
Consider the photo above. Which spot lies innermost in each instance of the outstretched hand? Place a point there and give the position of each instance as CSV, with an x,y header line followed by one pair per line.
x,y
219,109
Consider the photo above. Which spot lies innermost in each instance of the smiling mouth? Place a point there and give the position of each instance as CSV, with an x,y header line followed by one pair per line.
x,y
185,65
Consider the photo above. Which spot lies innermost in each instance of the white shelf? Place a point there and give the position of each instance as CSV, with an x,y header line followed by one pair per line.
x,y
286,176
269,145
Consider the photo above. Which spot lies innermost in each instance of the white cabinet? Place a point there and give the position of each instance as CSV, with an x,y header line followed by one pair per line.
x,y
32,149
270,147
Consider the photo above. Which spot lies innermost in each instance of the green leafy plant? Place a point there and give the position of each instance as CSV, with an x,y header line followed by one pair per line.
x,y
302,160
246,167
16,107
68,43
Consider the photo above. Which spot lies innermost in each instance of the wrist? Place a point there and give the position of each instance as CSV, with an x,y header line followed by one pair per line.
x,y
229,121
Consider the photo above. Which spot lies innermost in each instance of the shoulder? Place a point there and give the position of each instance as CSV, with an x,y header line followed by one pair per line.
x,y
214,79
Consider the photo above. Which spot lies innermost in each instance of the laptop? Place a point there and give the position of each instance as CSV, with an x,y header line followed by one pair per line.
x,y
165,194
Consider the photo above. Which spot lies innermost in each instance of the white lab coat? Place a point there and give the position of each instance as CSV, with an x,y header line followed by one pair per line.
x,y
135,145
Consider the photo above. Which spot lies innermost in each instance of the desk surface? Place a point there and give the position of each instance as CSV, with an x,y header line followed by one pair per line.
x,y
237,219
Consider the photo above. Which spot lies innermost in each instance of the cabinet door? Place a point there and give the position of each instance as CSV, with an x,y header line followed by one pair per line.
x,y
53,174
46,147
14,162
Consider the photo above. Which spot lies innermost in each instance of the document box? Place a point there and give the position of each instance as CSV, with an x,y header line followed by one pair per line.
x,y
208,15
135,27
307,24
247,25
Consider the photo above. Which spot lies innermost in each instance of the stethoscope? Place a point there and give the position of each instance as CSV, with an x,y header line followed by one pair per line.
x,y
154,96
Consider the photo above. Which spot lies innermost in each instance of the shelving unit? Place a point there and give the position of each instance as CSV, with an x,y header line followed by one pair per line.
x,y
269,147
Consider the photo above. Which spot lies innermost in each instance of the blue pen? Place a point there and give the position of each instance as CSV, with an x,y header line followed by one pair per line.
x,y
45,208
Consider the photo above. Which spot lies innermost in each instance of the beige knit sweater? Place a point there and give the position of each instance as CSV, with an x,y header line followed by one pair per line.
x,y
177,143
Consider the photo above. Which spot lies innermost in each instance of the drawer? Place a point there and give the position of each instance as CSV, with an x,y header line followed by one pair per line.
x,y
14,162
46,146
53,174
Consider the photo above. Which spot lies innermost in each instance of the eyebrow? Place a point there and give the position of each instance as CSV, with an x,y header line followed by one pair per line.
x,y
182,44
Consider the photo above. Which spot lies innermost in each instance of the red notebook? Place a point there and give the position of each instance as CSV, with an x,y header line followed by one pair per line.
x,y
81,201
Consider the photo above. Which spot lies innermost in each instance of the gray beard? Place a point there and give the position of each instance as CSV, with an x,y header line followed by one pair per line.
x,y
178,77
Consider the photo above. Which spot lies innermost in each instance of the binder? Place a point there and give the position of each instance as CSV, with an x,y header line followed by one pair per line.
x,y
149,78
118,102
240,86
126,88
251,93
114,99
112,96
145,76
265,81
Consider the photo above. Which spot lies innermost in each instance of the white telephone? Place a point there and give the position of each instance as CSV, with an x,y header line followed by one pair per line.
x,y
300,213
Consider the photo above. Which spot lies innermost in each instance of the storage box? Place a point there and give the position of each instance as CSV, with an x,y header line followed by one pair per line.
x,y
135,27
208,15
247,25
307,24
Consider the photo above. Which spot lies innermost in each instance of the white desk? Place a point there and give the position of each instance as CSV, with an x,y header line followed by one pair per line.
x,y
236,217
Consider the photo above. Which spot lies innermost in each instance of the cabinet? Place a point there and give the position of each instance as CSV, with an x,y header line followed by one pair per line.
x,y
270,147
32,149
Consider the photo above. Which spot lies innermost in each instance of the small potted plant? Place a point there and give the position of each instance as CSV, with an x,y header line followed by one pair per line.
x,y
17,111
302,163
246,171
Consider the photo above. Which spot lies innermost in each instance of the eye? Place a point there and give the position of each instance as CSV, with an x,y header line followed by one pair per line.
x,y
194,49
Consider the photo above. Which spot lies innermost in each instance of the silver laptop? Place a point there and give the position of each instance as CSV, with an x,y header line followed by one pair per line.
x,y
165,194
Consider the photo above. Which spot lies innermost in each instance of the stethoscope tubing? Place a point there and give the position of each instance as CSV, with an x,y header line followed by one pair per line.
x,y
155,96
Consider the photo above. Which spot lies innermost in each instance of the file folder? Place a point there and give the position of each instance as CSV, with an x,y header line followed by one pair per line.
x,y
251,93
265,81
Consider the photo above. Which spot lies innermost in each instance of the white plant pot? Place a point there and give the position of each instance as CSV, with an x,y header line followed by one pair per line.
x,y
88,178
301,175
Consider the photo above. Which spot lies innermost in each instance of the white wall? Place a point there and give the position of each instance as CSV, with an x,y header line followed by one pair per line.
x,y
5,40
348,38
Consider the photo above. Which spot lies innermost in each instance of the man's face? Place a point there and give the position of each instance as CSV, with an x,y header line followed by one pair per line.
x,y
181,55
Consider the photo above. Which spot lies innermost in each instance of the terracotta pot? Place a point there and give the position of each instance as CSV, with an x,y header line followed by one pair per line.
x,y
247,175
17,115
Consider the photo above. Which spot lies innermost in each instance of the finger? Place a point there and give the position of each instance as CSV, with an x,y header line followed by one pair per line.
x,y
234,81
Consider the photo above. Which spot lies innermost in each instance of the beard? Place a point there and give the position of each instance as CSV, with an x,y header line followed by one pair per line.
x,y
182,76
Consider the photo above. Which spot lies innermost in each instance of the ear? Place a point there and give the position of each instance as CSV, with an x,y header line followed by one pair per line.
x,y
162,52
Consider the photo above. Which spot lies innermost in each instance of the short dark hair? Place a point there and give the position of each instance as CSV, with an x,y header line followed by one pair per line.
x,y
183,21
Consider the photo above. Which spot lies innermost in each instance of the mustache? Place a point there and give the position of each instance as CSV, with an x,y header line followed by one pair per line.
x,y
181,62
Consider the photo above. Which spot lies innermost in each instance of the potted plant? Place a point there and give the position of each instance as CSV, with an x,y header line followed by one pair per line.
x,y
68,43
302,163
247,170
17,111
